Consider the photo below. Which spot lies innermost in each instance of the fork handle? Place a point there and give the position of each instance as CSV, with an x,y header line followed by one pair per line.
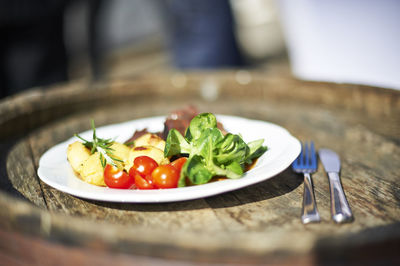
x,y
340,208
310,212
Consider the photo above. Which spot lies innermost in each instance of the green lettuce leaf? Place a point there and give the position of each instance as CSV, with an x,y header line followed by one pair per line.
x,y
210,153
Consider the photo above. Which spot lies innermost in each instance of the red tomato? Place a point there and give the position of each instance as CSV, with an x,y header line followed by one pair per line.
x,y
165,176
117,178
144,165
141,182
178,163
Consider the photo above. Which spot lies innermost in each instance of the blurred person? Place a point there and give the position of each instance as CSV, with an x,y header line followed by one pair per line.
x,y
201,34
32,50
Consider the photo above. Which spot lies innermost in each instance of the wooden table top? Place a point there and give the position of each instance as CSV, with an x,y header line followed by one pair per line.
x,y
253,225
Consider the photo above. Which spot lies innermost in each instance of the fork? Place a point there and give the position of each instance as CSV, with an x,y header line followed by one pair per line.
x,y
306,163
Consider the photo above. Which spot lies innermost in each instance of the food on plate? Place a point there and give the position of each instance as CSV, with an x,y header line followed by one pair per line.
x,y
200,153
115,177
146,150
179,119
90,158
77,153
165,176
92,170
148,144
149,139
210,152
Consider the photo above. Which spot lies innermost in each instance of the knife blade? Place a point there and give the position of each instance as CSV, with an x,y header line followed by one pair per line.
x,y
340,209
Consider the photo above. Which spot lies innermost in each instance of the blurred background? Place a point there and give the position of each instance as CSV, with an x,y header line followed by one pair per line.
x,y
45,42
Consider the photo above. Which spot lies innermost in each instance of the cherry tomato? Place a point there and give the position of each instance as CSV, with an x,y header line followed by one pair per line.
x,y
117,178
178,163
144,165
165,176
141,182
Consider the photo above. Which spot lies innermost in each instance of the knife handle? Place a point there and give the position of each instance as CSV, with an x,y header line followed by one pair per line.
x,y
310,212
340,208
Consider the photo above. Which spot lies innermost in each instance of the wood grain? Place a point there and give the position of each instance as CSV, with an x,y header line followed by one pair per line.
x,y
252,225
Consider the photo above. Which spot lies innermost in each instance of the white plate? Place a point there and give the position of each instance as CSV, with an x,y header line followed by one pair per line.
x,y
55,170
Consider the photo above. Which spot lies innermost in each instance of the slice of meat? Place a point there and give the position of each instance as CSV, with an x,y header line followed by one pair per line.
x,y
179,119
220,126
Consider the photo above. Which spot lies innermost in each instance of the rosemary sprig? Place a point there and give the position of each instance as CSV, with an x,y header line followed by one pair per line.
x,y
102,146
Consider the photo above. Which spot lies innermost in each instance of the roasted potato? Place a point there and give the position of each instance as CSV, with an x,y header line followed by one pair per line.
x,y
120,151
150,139
151,151
92,170
77,153
89,167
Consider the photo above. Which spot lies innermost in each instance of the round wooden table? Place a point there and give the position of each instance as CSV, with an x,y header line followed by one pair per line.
x,y
260,224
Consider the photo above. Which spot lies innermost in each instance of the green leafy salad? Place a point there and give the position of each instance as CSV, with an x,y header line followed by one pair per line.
x,y
210,153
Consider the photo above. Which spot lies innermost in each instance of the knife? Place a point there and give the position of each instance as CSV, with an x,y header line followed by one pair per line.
x,y
340,209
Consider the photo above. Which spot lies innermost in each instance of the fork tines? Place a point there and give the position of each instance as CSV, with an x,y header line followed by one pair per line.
x,y
307,158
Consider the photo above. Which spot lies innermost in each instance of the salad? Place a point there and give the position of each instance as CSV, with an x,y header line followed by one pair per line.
x,y
200,153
